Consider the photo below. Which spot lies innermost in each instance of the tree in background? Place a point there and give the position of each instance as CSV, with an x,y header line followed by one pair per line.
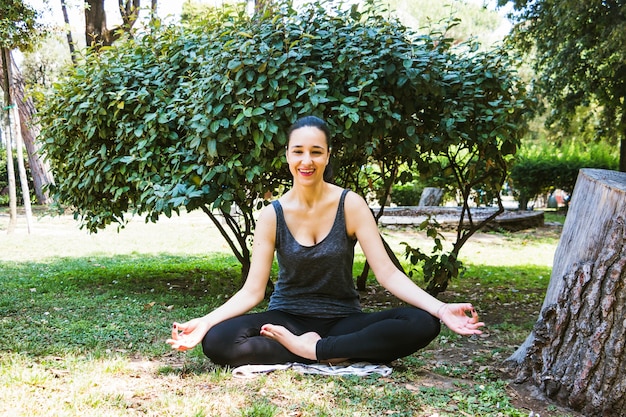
x,y
68,32
20,30
578,53
17,30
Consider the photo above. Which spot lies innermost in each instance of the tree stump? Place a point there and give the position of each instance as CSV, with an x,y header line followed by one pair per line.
x,y
576,352
431,196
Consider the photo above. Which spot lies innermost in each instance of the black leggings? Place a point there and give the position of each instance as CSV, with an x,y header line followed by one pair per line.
x,y
377,337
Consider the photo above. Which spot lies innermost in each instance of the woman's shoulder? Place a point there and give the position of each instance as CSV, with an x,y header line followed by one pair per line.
x,y
354,201
265,226
268,212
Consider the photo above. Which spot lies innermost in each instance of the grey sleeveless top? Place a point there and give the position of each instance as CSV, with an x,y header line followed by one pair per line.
x,y
315,280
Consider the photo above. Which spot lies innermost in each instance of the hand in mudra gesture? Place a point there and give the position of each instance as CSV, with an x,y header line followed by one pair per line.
x,y
187,335
461,318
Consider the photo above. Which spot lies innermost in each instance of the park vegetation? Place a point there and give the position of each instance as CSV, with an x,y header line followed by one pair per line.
x,y
576,52
194,116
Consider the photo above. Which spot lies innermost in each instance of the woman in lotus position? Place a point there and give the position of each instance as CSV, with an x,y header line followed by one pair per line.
x,y
314,313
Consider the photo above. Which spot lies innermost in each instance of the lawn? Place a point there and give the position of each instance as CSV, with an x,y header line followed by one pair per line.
x,y
85,317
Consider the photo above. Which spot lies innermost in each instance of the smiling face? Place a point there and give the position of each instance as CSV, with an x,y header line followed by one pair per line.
x,y
308,154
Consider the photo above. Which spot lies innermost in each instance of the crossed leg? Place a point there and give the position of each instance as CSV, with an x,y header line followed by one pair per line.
x,y
376,337
276,337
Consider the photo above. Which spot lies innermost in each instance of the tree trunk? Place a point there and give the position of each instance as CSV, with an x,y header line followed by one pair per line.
x,y
96,31
6,77
153,10
70,41
19,145
576,352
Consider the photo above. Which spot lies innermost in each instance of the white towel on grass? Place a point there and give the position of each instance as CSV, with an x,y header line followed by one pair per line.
x,y
357,369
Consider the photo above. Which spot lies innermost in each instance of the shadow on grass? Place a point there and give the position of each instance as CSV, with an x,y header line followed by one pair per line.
x,y
163,273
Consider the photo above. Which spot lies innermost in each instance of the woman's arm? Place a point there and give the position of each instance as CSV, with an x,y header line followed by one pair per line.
x,y
361,224
189,334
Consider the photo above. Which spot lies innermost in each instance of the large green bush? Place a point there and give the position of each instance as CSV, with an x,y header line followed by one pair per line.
x,y
195,115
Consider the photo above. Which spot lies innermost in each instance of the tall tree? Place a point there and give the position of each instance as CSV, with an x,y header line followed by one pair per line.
x,y
26,115
5,59
579,57
18,29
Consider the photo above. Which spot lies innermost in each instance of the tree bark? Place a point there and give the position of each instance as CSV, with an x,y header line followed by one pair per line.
x,y
576,352
19,147
6,81
96,32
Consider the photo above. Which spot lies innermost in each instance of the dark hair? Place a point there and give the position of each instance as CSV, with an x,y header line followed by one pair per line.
x,y
314,121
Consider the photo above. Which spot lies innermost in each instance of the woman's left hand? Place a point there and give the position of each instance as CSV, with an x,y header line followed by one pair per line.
x,y
461,318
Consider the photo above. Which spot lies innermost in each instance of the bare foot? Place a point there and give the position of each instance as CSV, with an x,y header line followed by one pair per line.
x,y
303,345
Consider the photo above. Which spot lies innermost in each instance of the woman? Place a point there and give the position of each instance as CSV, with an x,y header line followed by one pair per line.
x,y
314,313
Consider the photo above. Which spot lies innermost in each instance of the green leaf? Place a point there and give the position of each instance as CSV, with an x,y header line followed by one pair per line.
x,y
91,161
238,119
211,146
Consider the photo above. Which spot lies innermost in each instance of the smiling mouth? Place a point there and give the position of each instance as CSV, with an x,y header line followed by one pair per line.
x,y
306,172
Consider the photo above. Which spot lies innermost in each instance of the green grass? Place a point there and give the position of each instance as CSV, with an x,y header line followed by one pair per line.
x,y
554,216
85,335
75,315
99,305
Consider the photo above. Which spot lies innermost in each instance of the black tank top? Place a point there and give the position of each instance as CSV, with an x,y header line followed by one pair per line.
x,y
315,280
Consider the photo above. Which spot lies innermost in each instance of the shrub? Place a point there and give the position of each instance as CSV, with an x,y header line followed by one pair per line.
x,y
407,194
541,169
3,168
194,116
4,178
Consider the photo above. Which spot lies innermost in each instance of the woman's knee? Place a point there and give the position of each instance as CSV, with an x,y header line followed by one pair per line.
x,y
435,326
214,348
425,327
225,345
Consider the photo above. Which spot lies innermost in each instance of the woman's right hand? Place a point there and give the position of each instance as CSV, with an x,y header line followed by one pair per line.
x,y
461,318
187,335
